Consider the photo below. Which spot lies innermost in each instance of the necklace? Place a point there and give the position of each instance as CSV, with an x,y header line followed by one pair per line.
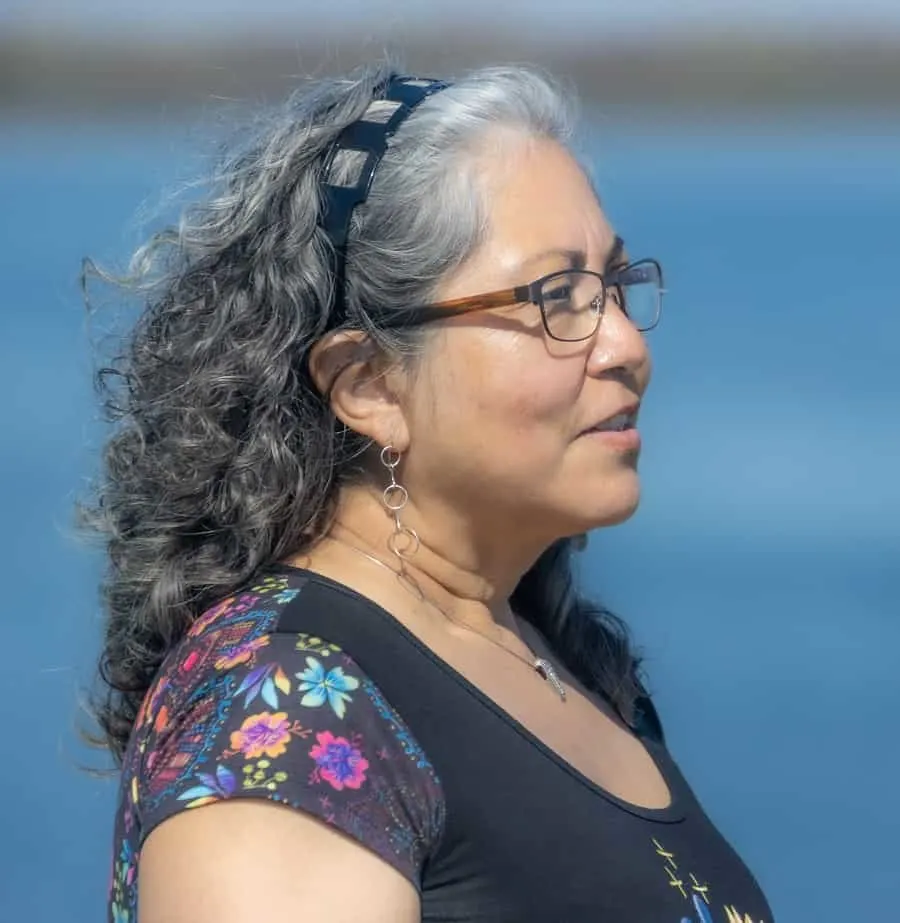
x,y
540,665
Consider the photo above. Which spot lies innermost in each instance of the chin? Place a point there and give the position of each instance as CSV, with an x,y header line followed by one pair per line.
x,y
605,498
610,508
620,516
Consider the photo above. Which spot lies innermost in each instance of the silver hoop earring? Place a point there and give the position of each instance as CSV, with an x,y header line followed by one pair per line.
x,y
403,542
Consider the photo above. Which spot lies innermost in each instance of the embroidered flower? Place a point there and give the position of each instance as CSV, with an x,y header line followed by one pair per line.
x,y
338,762
265,681
262,734
320,686
211,788
240,653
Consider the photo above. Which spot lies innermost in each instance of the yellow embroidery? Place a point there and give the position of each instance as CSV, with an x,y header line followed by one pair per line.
x,y
676,882
702,890
699,891
668,856
735,917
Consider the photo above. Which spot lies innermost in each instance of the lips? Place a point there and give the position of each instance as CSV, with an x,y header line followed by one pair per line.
x,y
624,419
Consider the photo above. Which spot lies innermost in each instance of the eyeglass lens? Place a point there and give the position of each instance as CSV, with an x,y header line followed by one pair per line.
x,y
573,301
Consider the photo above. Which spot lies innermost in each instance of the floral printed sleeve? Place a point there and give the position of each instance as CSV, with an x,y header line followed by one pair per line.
x,y
246,713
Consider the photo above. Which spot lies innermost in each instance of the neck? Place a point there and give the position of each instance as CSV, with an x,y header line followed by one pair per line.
x,y
466,574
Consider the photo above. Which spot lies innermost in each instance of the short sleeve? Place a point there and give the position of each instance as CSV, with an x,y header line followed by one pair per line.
x,y
289,718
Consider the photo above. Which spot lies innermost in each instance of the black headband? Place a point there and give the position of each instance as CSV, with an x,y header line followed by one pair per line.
x,y
369,138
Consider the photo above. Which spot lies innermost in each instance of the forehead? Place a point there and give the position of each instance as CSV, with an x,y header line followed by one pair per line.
x,y
542,202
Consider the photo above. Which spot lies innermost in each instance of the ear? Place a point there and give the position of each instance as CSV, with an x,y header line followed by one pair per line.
x,y
361,386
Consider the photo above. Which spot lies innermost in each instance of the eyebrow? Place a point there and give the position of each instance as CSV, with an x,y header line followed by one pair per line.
x,y
616,253
577,259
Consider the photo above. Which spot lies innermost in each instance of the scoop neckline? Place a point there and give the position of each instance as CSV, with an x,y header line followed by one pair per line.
x,y
673,812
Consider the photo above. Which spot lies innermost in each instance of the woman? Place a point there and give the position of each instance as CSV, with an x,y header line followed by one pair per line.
x,y
386,380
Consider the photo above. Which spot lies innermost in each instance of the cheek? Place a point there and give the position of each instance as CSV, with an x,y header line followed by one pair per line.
x,y
510,388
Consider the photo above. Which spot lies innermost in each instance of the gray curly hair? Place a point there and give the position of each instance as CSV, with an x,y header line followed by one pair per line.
x,y
224,457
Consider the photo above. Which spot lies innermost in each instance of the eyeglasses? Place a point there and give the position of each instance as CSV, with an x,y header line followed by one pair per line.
x,y
572,301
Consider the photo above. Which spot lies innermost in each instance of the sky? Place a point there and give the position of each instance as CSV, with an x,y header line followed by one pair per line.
x,y
168,17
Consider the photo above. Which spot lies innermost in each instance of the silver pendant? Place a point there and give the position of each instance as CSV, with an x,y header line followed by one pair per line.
x,y
548,672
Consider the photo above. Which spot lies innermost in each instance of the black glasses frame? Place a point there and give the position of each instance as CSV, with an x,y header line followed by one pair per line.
x,y
533,293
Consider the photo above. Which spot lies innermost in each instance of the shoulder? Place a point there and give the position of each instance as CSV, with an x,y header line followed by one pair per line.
x,y
245,710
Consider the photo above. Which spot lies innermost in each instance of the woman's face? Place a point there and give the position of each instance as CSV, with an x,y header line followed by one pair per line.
x,y
498,420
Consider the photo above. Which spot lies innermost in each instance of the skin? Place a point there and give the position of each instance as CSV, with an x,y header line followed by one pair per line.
x,y
490,426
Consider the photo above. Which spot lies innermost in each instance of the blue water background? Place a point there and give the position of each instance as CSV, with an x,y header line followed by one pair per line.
x,y
761,575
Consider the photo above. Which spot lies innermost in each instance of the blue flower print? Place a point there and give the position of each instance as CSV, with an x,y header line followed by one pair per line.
x,y
320,686
212,787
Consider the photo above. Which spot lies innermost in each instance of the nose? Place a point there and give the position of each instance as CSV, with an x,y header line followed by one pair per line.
x,y
619,345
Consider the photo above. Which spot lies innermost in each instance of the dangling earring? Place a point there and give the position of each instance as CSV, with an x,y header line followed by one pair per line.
x,y
403,542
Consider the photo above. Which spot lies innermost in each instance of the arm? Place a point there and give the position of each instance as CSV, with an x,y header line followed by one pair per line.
x,y
251,861
275,782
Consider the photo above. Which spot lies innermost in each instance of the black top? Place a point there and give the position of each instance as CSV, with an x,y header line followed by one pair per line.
x,y
303,691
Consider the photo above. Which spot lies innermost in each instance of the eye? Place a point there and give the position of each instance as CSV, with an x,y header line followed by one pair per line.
x,y
559,294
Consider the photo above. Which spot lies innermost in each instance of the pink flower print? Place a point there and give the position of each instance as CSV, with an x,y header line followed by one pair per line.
x,y
265,734
240,653
338,762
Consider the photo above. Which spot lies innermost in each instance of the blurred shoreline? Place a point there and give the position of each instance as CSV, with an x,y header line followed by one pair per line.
x,y
46,74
